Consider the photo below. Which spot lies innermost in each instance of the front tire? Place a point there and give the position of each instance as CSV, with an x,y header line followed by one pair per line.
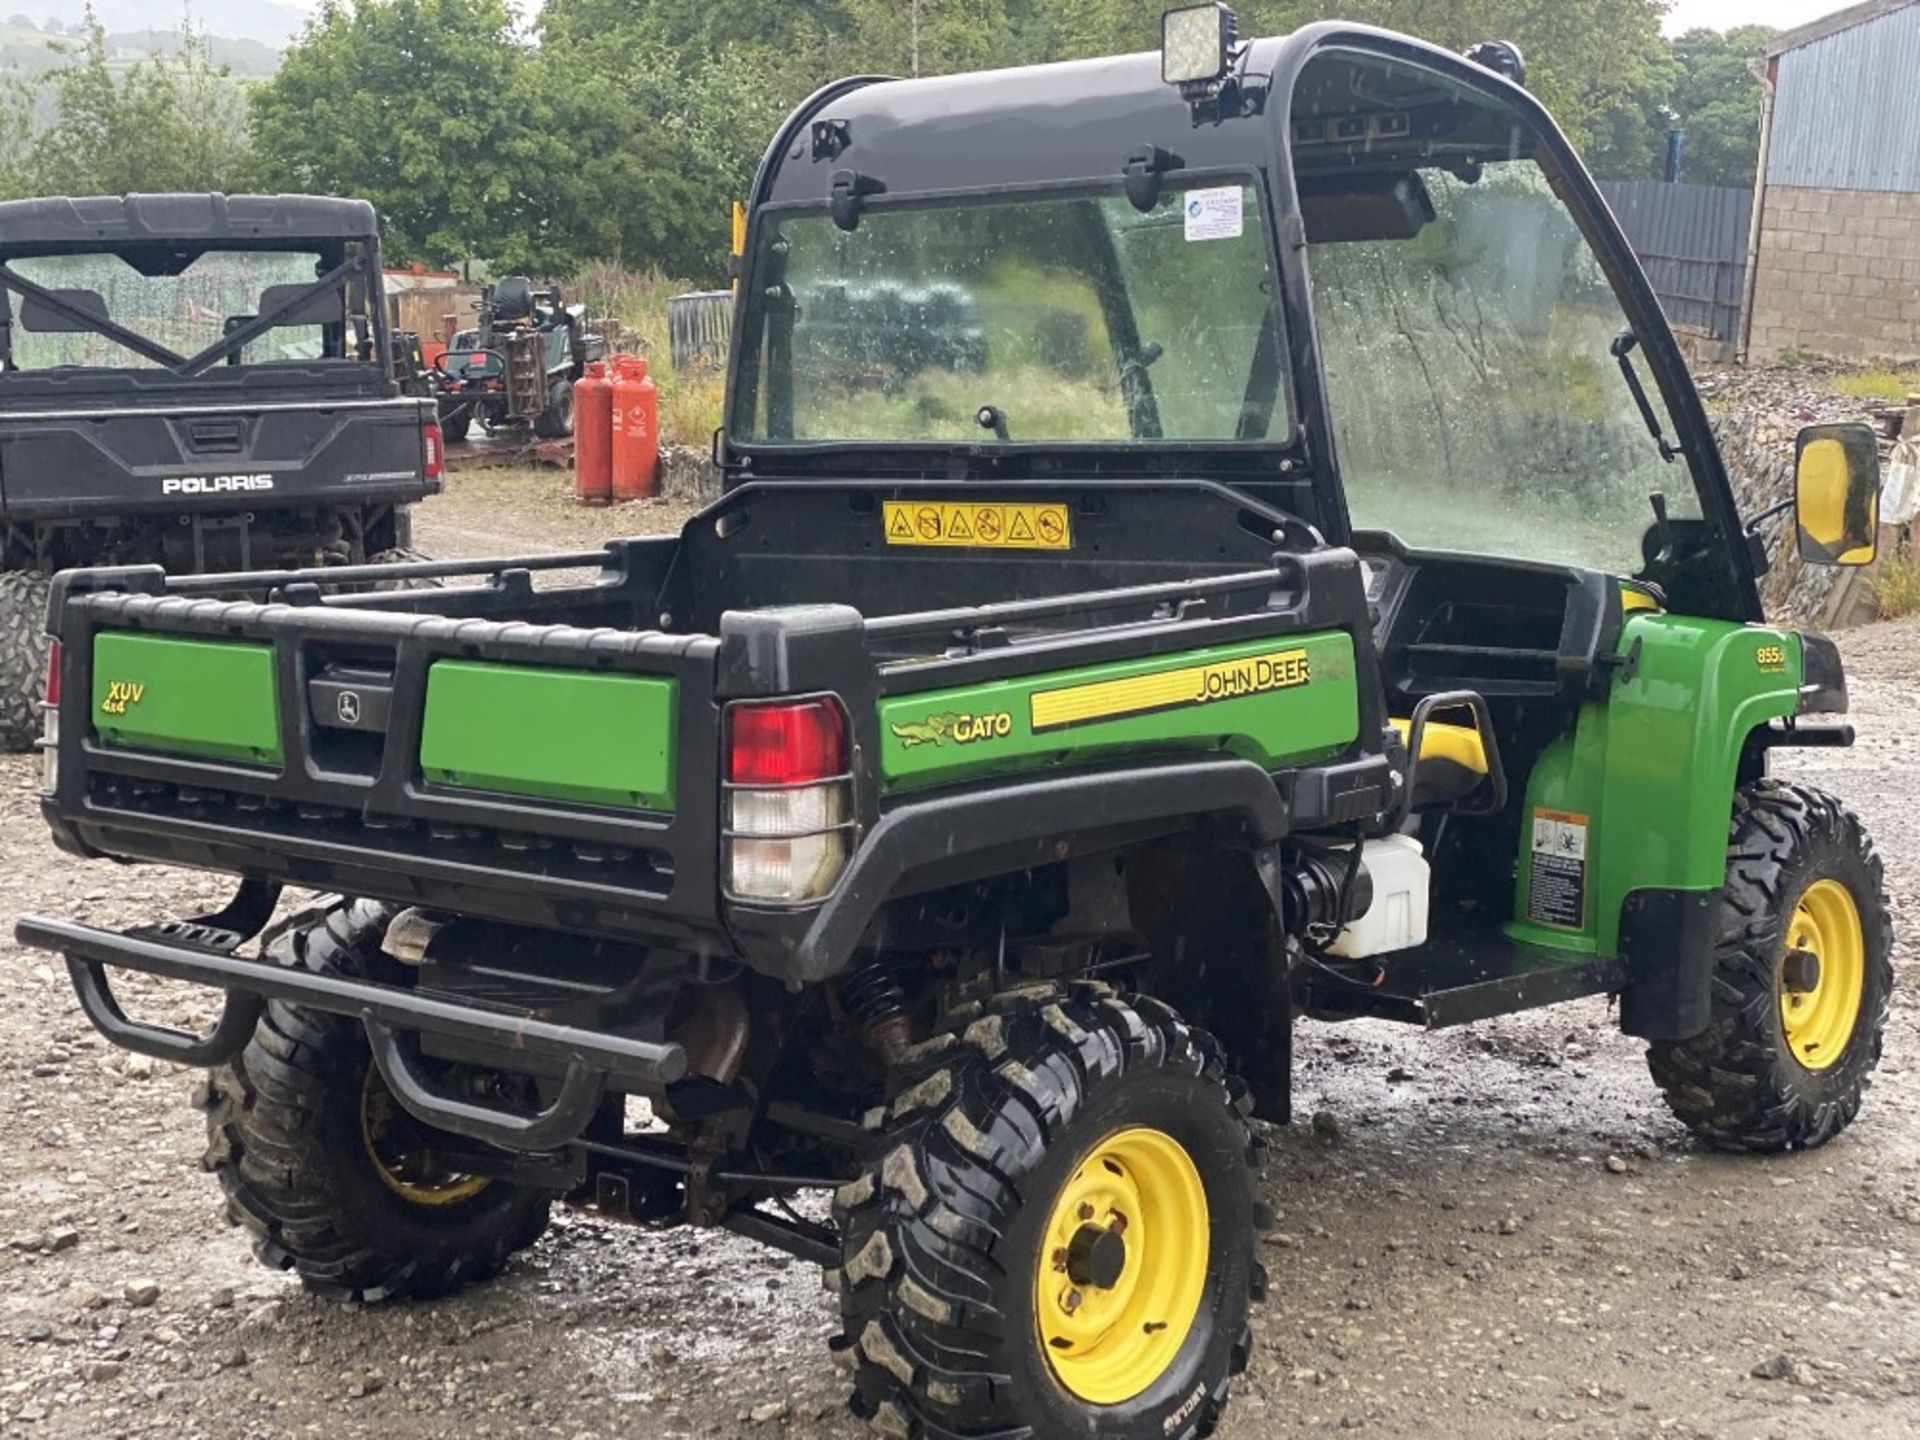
x,y
1054,1235
1803,975
23,656
323,1167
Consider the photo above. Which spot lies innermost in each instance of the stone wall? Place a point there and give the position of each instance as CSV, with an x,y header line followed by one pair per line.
x,y
1839,274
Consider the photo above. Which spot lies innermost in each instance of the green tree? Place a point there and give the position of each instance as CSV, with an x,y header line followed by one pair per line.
x,y
1717,101
432,109
173,122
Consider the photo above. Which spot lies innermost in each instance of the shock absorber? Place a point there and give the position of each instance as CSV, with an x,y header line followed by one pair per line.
x,y
876,1001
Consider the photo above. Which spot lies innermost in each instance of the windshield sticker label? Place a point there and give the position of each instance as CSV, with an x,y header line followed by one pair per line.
x,y
1171,689
980,527
1215,214
1557,881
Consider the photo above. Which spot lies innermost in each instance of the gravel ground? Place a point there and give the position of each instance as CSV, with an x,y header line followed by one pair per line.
x,y
1505,1235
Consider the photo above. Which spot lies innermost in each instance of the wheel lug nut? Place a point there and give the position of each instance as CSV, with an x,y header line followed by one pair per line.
x,y
1060,1259
1086,1210
1073,1301
1119,1224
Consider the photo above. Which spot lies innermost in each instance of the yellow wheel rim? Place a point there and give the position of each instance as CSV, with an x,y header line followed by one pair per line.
x,y
1823,969
1122,1267
386,1129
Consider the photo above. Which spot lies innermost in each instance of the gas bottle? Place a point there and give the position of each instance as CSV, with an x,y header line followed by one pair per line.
x,y
636,429
593,436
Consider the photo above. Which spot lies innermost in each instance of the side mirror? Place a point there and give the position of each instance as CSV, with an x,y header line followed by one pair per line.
x,y
1836,496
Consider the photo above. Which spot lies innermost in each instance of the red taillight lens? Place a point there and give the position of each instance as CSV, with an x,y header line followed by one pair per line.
x,y
53,672
431,442
790,743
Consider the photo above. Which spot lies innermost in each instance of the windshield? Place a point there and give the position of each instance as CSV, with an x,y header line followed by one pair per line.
x,y
1064,317
1465,327
184,312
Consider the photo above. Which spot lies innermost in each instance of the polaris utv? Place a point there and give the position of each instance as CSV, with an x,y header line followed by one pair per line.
x,y
517,369
1317,593
203,382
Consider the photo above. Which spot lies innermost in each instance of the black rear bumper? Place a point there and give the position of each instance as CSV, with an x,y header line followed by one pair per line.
x,y
201,953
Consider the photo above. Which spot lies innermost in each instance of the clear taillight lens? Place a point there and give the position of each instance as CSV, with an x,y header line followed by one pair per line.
x,y
50,721
789,800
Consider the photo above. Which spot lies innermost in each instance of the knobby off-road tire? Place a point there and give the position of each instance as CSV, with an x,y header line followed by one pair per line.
x,y
993,1129
1762,1076
23,656
288,1139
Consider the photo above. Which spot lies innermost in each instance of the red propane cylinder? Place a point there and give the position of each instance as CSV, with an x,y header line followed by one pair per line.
x,y
593,436
636,429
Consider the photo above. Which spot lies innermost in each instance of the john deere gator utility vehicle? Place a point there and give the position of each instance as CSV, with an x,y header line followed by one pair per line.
x,y
1314,591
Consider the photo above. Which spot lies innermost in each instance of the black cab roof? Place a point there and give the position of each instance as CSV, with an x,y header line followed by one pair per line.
x,y
54,223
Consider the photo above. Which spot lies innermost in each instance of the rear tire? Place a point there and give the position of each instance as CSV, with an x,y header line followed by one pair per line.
x,y
291,1137
556,421
1780,1067
455,425
23,656
963,1314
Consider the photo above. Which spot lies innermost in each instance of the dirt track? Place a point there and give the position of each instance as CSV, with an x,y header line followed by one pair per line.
x,y
1508,1238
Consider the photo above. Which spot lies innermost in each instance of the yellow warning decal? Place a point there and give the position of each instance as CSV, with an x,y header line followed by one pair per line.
x,y
1171,689
990,526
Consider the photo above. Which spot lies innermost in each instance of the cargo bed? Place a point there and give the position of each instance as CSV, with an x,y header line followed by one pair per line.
x,y
550,754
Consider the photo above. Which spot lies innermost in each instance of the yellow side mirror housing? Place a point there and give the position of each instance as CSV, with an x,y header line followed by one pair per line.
x,y
1836,496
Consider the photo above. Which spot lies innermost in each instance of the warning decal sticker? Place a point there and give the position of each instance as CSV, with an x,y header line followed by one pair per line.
x,y
1557,881
977,526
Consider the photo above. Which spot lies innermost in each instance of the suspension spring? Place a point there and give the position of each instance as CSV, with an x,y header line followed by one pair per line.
x,y
876,1001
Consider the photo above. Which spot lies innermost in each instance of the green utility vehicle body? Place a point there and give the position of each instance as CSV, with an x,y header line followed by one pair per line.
x,y
1311,590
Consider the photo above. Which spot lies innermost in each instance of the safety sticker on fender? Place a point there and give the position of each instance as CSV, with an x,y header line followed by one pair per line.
x,y
1557,882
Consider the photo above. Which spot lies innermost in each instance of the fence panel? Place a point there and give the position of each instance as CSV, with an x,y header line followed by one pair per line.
x,y
698,326
1692,239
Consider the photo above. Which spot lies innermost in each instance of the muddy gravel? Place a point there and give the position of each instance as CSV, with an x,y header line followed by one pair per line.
x,y
1496,1231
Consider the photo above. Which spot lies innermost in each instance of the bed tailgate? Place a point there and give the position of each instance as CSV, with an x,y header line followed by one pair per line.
x,y
535,773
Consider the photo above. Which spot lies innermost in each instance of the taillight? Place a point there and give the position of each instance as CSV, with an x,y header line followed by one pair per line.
x,y
432,443
50,722
789,799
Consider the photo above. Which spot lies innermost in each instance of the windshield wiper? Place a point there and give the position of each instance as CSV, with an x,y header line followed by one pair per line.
x,y
1622,347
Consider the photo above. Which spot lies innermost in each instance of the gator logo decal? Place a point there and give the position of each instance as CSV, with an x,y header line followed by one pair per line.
x,y
959,729
120,695
1171,689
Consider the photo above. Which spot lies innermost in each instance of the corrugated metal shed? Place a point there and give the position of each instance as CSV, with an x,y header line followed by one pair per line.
x,y
1844,106
1692,240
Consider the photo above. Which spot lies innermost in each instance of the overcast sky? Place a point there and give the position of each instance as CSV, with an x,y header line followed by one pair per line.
x,y
1687,14
1724,14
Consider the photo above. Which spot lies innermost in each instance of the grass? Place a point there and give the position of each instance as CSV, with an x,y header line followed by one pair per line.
x,y
1892,386
1896,589
691,401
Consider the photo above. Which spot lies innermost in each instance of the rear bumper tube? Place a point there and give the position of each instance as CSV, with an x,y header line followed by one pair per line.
x,y
589,1057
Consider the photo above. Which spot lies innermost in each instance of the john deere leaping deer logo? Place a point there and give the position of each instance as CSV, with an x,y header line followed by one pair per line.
x,y
120,695
960,729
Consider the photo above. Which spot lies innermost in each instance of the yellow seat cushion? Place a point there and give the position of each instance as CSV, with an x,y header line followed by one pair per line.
x,y
1451,764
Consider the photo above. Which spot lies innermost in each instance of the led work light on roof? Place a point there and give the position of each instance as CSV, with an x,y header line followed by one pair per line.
x,y
1197,48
